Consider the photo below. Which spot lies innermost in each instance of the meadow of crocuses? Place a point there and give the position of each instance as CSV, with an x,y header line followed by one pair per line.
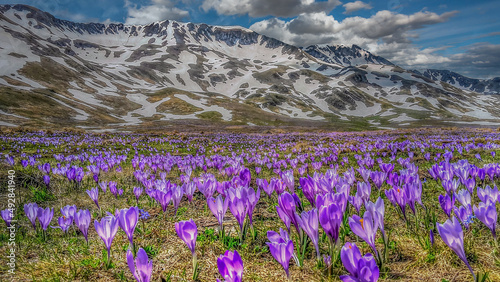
x,y
414,205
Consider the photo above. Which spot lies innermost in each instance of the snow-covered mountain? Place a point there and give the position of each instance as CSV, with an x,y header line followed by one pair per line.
x,y
56,72
344,55
486,86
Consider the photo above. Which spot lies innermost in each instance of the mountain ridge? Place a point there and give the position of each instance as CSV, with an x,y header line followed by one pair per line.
x,y
486,86
344,55
170,72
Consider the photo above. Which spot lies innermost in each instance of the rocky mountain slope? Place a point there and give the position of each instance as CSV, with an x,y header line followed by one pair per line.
x,y
345,55
485,86
56,72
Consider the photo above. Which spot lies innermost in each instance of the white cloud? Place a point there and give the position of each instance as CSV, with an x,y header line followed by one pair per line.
x,y
409,56
159,10
391,26
260,8
313,23
384,26
477,60
356,6
386,33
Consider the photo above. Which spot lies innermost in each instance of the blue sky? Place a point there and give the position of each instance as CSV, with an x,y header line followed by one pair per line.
x,y
462,36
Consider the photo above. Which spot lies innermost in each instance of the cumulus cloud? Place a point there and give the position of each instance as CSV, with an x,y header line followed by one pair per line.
x,y
409,56
356,6
478,60
387,34
384,26
261,8
158,10
391,26
313,23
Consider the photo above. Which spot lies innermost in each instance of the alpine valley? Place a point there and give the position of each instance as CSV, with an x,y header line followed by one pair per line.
x,y
101,76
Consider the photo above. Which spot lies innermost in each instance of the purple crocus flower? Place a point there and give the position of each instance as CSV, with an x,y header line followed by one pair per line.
x,y
275,237
464,214
286,220
79,174
278,185
10,160
187,231
138,192
127,220
452,234
378,178
447,203
163,197
288,205
6,216
95,170
207,186
281,250
106,229
94,195
177,193
245,176
264,185
113,189
377,210
470,184
258,170
330,218
218,206
364,191
488,194
387,168
252,199
311,227
64,223
288,180
31,211
447,185
362,269
142,267
464,197
397,197
103,185
302,169
45,216
69,212
189,189
365,173
82,220
71,174
46,180
365,228
487,214
413,194
230,267
238,208
327,260
325,200
45,168
356,201
309,188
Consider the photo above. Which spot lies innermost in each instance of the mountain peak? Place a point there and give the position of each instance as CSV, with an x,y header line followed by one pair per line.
x,y
345,55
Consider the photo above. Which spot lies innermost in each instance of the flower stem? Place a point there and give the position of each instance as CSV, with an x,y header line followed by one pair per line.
x,y
195,267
